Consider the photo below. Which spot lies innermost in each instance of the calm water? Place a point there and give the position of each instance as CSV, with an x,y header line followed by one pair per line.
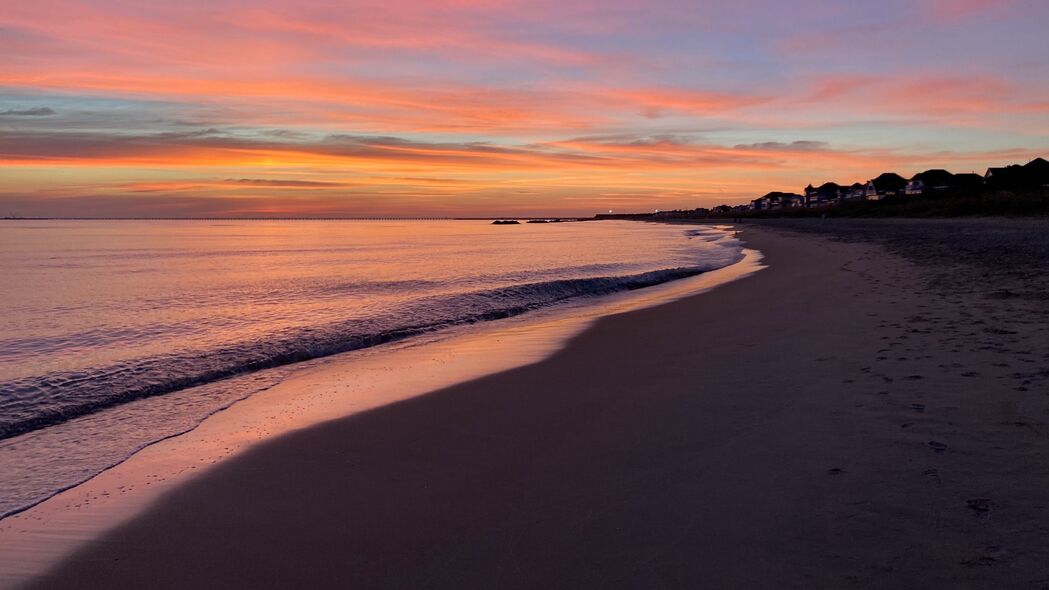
x,y
118,334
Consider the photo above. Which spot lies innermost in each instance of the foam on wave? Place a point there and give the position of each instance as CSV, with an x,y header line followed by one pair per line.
x,y
37,402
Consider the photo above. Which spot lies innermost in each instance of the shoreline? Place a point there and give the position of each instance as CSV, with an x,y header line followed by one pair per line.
x,y
35,440
841,419
313,392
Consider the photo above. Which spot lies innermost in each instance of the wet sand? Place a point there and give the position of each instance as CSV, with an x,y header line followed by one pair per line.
x,y
847,417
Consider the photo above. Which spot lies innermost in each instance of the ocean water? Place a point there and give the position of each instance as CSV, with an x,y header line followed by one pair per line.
x,y
117,334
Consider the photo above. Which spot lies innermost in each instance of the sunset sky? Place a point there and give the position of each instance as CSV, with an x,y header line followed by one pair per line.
x,y
281,107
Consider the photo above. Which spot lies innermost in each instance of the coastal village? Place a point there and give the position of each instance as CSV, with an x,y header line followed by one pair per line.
x,y
1030,176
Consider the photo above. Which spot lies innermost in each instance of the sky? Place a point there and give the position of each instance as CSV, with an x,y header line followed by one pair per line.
x,y
480,107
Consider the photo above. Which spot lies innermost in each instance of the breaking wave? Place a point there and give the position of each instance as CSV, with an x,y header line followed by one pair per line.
x,y
32,403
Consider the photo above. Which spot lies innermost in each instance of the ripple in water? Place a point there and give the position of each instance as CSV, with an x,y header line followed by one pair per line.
x,y
120,334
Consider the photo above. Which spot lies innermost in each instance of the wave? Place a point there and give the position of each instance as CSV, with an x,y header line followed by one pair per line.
x,y
32,403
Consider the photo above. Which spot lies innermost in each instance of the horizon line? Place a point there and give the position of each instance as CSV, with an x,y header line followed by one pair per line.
x,y
290,218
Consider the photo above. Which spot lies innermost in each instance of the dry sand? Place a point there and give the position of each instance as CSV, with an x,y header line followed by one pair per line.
x,y
844,419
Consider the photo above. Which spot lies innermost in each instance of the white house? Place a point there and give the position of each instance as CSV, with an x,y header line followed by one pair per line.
x,y
870,193
915,186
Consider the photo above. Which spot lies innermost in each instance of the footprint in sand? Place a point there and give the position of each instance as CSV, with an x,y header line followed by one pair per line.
x,y
979,504
939,447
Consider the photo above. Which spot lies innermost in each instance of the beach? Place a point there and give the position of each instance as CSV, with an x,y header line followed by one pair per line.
x,y
869,411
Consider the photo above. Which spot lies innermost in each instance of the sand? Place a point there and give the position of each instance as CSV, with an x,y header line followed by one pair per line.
x,y
846,418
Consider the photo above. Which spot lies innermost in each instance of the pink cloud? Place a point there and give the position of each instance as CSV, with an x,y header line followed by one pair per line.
x,y
955,10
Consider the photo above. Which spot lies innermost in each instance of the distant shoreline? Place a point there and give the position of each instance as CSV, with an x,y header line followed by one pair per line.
x,y
377,218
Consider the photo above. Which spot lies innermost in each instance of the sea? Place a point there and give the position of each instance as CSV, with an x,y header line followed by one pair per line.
x,y
118,334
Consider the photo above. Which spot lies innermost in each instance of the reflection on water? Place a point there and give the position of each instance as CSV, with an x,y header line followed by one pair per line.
x,y
316,391
118,334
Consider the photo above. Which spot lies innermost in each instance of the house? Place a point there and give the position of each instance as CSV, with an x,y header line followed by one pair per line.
x,y
827,193
967,182
762,204
856,191
777,200
888,184
996,174
1037,173
929,181
1006,178
1032,175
